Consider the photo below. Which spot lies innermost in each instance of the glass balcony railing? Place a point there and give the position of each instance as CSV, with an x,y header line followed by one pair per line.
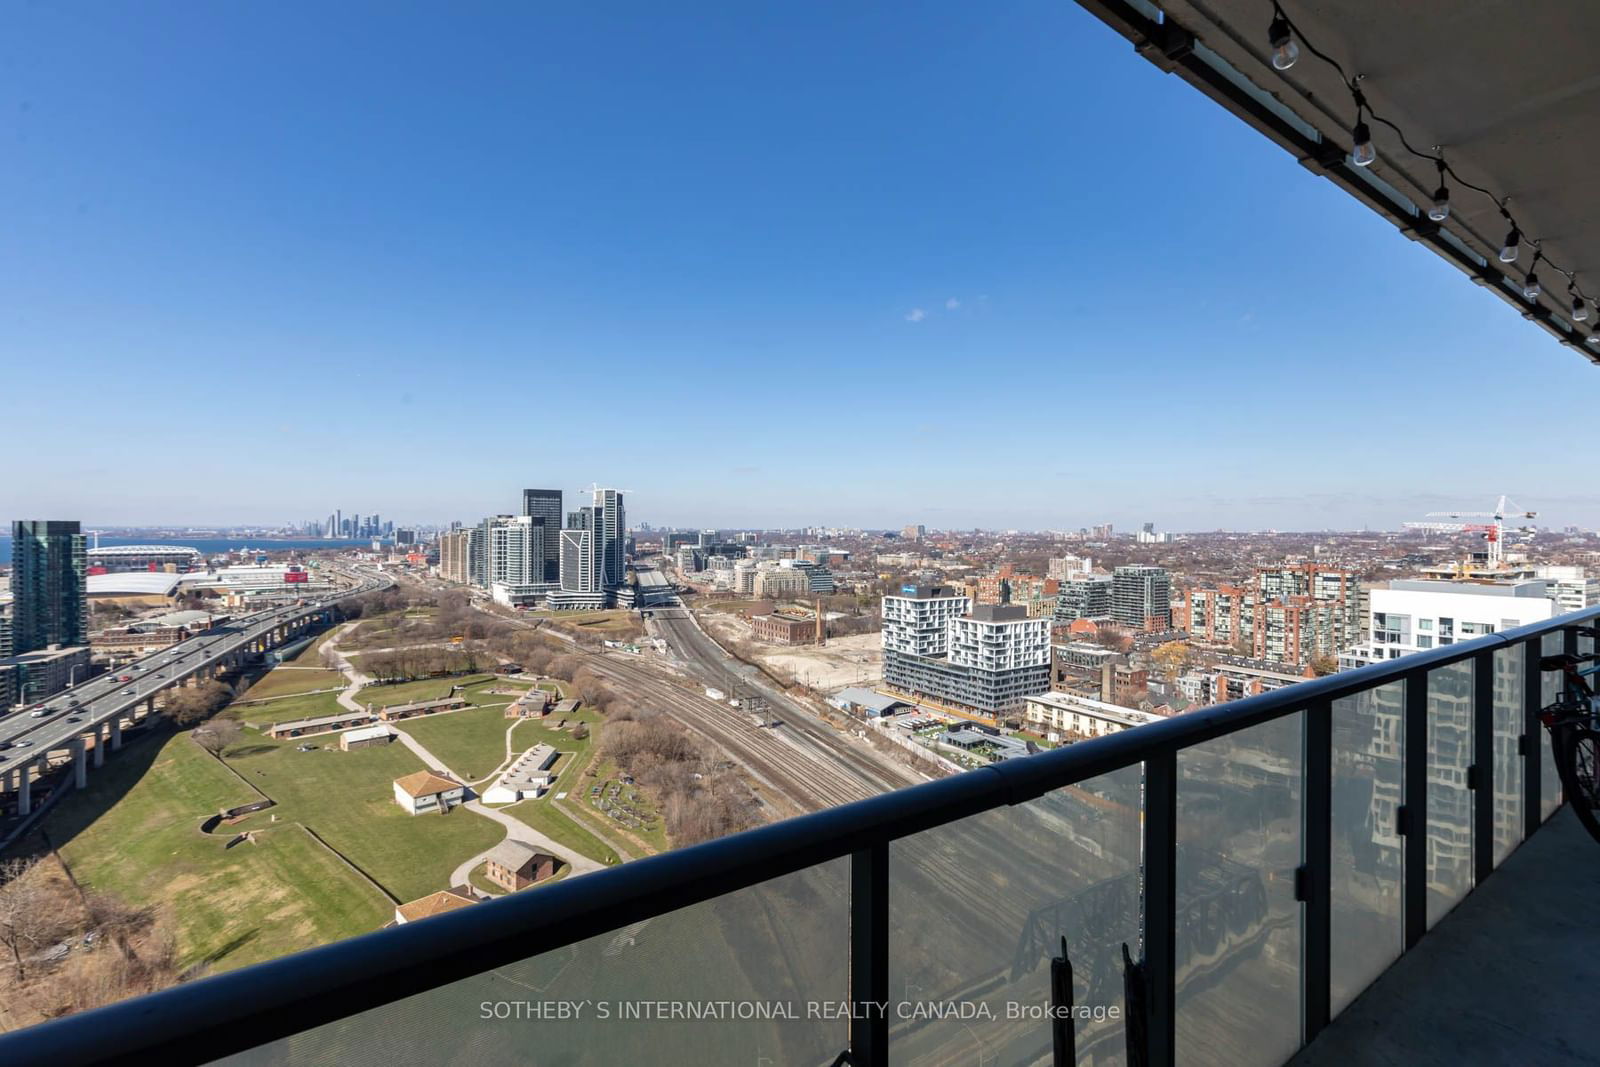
x,y
1211,888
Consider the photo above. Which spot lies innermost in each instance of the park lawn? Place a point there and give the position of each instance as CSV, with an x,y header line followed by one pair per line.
x,y
475,689
134,833
471,743
551,821
414,692
306,706
285,679
348,799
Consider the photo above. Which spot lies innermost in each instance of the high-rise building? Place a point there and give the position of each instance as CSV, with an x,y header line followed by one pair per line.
x,y
981,661
508,551
1571,588
611,531
1413,615
1086,596
593,554
543,506
1141,598
454,546
49,586
1290,614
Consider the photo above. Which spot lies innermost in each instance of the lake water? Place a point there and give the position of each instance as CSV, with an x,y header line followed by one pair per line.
x,y
206,546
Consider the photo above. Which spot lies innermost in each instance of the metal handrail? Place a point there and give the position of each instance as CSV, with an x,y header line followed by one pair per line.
x,y
242,1009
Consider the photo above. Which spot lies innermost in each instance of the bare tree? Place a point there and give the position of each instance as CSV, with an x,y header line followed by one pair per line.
x,y
29,916
186,706
217,734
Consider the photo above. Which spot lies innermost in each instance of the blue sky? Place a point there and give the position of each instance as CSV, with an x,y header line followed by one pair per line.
x,y
762,265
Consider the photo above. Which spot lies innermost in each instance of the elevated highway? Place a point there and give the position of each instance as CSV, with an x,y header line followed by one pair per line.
x,y
98,708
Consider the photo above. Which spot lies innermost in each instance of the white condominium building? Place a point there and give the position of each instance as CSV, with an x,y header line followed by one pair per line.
x,y
1414,615
917,622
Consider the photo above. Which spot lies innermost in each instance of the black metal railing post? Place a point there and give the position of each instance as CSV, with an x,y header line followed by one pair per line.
x,y
1533,741
1414,812
1161,904
869,956
1480,775
1315,882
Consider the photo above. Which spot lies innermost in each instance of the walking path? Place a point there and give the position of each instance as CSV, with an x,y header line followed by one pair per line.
x,y
347,699
516,829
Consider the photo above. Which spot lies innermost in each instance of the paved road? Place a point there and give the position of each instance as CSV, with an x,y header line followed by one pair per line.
x,y
112,695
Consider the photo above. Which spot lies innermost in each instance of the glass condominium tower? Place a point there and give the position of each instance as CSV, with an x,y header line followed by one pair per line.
x,y
49,585
543,506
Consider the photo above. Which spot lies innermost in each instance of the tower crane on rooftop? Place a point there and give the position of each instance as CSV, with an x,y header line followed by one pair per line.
x,y
1494,532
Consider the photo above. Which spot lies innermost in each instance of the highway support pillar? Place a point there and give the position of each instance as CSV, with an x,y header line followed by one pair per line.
x,y
9,783
149,707
116,732
100,745
80,765
25,789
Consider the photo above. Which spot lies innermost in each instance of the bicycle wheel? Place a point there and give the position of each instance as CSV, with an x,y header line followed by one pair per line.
x,y
1578,760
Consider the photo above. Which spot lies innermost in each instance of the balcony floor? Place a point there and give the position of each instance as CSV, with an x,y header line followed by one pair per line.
x,y
1510,976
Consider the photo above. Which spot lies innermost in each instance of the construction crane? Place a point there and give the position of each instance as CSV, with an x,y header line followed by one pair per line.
x,y
1494,532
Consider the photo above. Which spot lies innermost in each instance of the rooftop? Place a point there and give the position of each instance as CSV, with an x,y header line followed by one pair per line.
x,y
513,854
426,784
436,904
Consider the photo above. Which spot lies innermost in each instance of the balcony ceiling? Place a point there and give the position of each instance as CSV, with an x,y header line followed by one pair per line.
x,y
1509,90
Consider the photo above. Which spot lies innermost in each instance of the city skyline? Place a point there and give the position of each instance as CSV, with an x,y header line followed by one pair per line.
x,y
712,254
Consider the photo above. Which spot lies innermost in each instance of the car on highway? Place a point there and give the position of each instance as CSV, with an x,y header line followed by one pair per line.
x,y
126,678
73,703
24,743
128,691
4,745
74,718
41,713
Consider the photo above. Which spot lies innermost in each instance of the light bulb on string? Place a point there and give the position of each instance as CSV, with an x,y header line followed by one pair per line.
x,y
1284,50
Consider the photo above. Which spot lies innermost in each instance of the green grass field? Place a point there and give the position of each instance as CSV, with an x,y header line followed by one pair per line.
x,y
431,689
135,833
550,820
284,680
471,743
308,706
348,799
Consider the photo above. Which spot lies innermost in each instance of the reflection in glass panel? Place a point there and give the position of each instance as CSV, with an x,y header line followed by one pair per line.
x,y
776,946
978,908
1238,925
1449,801
1507,761
1549,692
1366,904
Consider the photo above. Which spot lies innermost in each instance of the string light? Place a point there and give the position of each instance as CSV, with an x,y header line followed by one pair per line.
x,y
1441,196
1512,244
1287,40
1363,154
1284,51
